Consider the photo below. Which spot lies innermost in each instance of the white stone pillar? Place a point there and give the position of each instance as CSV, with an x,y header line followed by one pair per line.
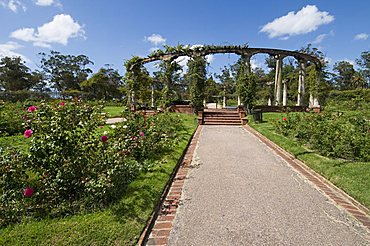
x,y
301,83
285,93
224,102
269,102
152,97
278,80
239,103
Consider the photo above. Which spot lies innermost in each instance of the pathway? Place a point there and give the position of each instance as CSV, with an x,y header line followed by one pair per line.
x,y
241,193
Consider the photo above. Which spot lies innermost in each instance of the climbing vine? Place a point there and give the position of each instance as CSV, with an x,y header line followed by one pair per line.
x,y
196,77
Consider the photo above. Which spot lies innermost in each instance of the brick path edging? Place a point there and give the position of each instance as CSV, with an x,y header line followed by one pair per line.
x,y
159,226
338,196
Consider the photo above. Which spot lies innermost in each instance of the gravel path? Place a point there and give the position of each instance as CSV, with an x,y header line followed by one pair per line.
x,y
240,193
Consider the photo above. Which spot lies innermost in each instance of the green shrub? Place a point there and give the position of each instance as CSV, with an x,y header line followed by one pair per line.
x,y
73,164
333,134
12,117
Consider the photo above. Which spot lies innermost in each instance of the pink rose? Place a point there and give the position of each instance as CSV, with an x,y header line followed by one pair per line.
x,y
28,192
62,104
141,134
104,138
31,109
134,138
27,133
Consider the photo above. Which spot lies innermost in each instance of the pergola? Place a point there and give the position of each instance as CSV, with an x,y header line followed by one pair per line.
x,y
246,52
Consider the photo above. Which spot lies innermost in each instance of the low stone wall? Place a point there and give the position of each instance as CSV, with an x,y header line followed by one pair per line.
x,y
280,108
184,109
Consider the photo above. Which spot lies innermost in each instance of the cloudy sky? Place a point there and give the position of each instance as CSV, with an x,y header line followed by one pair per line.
x,y
110,32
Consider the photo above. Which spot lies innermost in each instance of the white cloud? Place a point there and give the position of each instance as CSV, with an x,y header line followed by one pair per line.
x,y
306,20
9,49
183,61
44,2
321,37
59,30
155,39
13,5
210,58
362,36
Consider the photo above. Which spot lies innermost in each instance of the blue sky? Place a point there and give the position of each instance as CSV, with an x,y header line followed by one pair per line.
x,y
110,32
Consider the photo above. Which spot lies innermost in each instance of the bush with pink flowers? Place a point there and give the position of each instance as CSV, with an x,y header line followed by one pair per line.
x,y
72,165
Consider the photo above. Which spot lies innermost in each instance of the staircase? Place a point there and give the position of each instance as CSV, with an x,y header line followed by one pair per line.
x,y
221,117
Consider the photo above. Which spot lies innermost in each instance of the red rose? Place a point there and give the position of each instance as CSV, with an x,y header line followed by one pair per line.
x,y
27,133
28,192
31,109
104,138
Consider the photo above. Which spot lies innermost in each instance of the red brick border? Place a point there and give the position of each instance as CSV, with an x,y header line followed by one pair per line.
x,y
159,226
339,197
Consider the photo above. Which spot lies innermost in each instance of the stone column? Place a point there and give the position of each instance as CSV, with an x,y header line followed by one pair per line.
x,y
247,58
224,102
152,97
278,79
239,102
285,92
301,83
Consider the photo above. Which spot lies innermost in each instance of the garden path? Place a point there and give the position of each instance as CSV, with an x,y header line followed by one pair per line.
x,y
239,192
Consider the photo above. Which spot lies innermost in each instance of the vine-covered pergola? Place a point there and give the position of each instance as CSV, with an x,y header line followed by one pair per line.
x,y
280,91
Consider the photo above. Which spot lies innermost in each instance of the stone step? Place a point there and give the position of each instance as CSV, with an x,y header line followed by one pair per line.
x,y
222,123
223,116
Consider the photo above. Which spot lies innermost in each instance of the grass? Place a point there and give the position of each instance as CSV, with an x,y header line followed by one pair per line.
x,y
352,177
120,224
113,111
17,141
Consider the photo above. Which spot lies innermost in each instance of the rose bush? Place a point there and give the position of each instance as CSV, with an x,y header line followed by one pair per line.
x,y
73,164
334,134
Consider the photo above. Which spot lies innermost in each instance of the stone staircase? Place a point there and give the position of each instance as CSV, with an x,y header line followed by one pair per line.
x,y
221,117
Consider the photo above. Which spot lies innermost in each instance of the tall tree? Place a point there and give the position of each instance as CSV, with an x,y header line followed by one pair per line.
x,y
344,75
169,75
104,84
364,63
246,83
196,76
227,81
15,75
65,72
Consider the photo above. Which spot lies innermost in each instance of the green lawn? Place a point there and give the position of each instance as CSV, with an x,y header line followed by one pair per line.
x,y
17,141
113,111
352,177
121,224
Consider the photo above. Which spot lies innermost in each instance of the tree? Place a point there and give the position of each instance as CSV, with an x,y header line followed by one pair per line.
x,y
364,63
212,90
345,75
196,76
169,76
246,83
104,84
15,75
65,72
227,81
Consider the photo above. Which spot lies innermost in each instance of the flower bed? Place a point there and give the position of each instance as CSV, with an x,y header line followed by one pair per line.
x,y
332,134
73,164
